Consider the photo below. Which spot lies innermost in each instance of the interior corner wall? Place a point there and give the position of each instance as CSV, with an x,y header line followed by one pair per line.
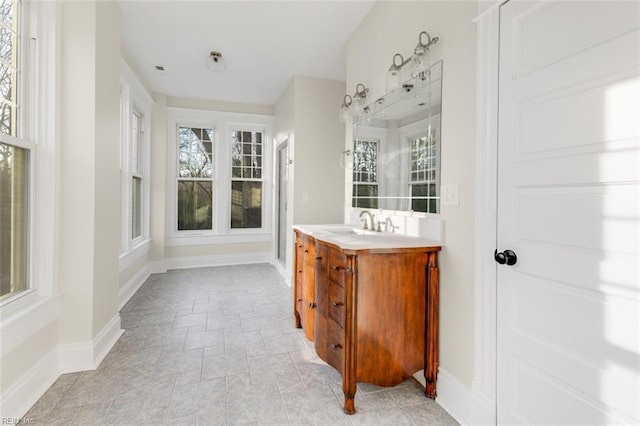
x,y
107,165
318,178
284,128
393,27
89,191
158,187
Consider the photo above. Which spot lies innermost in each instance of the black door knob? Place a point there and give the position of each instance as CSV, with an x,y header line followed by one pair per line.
x,y
508,256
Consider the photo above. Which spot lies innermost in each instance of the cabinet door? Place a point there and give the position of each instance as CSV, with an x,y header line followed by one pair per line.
x,y
308,288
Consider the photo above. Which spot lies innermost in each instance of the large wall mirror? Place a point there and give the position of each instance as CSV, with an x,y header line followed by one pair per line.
x,y
396,148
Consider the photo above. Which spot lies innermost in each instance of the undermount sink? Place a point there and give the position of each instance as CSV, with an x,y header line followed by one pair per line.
x,y
350,231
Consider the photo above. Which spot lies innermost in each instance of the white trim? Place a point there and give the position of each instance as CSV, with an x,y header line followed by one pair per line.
x,y
484,410
26,391
454,397
87,355
26,318
218,260
198,239
77,356
106,339
134,283
132,256
284,272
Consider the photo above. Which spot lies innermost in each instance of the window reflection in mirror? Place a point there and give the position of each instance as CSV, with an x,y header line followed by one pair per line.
x,y
396,149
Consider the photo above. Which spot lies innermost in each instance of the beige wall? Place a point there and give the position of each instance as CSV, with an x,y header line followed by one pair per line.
x,y
88,240
158,185
212,105
218,249
307,112
393,27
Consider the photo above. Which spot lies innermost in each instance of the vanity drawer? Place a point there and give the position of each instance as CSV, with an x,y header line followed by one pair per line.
x,y
335,346
336,303
337,263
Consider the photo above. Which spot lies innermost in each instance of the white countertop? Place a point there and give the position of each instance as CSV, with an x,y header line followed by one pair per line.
x,y
352,238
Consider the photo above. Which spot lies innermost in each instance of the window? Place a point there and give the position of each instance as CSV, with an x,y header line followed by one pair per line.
x,y
222,164
246,179
423,177
195,178
16,149
365,174
136,175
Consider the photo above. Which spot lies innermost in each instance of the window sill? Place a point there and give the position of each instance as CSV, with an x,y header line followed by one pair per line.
x,y
130,257
209,239
26,316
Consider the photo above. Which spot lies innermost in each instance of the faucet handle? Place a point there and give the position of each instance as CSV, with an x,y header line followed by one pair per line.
x,y
364,223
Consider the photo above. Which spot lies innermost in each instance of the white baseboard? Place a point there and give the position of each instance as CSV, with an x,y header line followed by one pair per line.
x,y
454,397
483,406
106,339
286,275
87,355
217,260
20,397
130,287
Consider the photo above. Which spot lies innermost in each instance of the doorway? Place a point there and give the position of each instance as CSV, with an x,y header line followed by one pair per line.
x,y
282,184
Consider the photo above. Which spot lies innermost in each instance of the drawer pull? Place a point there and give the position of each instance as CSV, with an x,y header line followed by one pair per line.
x,y
335,346
300,271
300,245
318,257
312,305
336,304
299,300
306,251
335,267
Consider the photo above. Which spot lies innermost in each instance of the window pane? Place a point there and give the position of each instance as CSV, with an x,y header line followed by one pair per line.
x,y
246,154
8,66
194,205
246,204
14,190
136,208
136,143
195,148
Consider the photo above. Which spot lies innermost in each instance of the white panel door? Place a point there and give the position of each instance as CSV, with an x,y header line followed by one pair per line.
x,y
569,207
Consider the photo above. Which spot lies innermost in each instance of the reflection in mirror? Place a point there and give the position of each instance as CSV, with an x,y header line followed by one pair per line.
x,y
396,150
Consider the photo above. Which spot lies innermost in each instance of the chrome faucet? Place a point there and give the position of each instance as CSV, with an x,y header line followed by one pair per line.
x,y
389,224
364,221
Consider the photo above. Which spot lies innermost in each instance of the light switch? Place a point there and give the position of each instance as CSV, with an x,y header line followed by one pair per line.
x,y
449,194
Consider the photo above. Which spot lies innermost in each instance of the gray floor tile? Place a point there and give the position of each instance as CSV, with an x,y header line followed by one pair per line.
x,y
217,346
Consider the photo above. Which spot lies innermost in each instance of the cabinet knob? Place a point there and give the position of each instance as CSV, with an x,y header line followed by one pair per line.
x,y
336,304
300,272
306,251
299,300
335,346
300,245
312,305
335,267
318,257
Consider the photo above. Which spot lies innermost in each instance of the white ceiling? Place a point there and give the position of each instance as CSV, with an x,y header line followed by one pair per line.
x,y
264,43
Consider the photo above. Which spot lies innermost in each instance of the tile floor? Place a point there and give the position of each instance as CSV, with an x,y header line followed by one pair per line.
x,y
216,346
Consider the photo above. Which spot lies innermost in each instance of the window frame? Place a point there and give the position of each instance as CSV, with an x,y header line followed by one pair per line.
x,y
24,136
38,93
231,126
378,144
134,99
222,123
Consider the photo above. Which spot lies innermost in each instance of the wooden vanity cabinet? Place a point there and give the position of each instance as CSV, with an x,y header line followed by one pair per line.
x,y
304,283
376,318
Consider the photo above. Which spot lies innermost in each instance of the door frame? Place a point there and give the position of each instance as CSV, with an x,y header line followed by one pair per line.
x,y
483,387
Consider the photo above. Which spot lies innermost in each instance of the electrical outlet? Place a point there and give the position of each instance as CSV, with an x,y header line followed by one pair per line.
x,y
450,195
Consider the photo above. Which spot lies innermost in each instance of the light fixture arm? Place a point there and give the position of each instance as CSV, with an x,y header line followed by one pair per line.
x,y
430,42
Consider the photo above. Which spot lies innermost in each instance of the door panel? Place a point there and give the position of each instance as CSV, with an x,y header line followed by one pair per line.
x,y
569,206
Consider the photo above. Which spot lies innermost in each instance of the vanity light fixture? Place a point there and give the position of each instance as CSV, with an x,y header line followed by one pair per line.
x,y
215,62
345,109
420,64
353,105
359,98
